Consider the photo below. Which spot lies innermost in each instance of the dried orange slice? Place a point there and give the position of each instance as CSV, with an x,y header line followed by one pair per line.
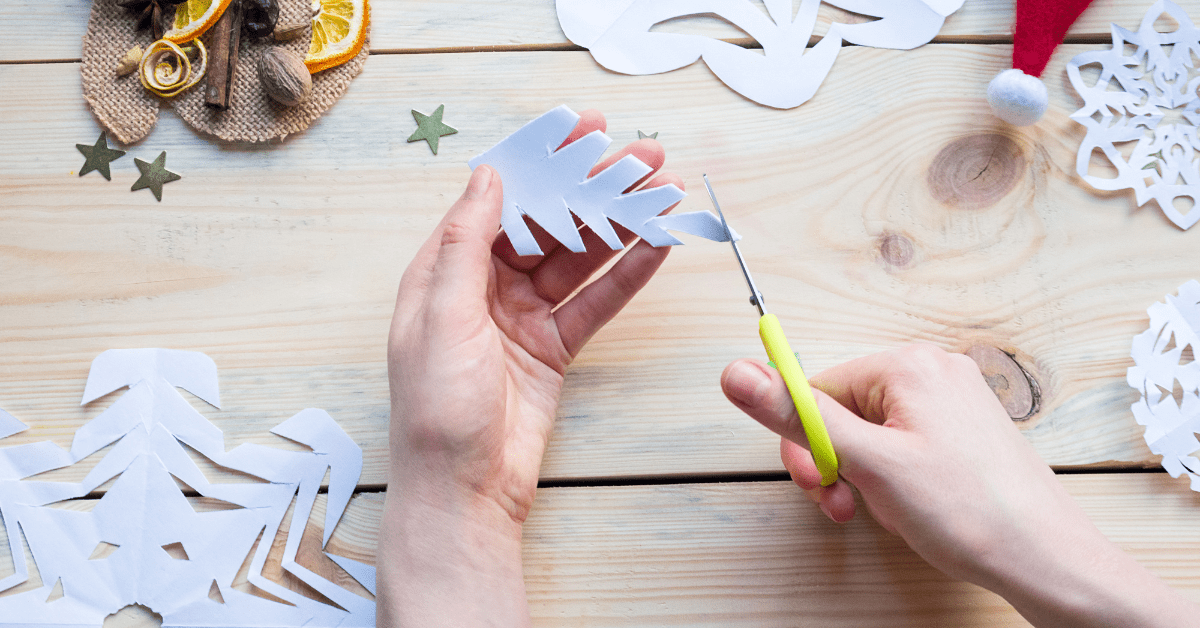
x,y
338,31
193,18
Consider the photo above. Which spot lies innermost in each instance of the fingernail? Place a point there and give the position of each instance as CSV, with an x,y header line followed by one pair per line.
x,y
480,181
825,509
745,383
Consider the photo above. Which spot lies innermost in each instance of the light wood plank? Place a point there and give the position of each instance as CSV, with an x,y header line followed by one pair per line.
x,y
53,29
281,261
759,555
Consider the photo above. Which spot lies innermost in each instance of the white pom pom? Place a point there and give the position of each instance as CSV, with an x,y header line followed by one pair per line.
x,y
1017,98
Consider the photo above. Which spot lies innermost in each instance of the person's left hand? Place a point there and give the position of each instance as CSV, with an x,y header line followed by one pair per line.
x,y
481,337
478,347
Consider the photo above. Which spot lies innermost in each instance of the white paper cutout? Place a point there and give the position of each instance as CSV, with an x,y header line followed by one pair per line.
x,y
9,425
363,573
145,510
783,75
1152,81
550,185
1164,356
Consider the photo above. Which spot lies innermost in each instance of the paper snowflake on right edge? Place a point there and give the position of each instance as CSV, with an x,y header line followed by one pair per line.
x,y
1165,365
1156,79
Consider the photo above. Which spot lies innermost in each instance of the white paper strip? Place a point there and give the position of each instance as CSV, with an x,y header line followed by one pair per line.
x,y
144,512
549,184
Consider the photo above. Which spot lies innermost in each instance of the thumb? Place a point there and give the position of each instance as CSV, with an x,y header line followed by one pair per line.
x,y
467,232
759,391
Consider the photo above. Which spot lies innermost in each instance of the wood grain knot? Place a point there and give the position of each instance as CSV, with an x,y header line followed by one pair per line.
x,y
976,171
896,250
1017,390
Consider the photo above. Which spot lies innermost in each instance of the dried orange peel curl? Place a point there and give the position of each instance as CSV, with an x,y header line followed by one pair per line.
x,y
166,69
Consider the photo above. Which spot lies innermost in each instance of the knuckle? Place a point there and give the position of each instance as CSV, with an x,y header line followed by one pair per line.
x,y
924,351
918,363
962,364
623,284
454,233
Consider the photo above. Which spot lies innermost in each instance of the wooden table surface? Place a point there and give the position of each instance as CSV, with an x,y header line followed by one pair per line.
x,y
891,208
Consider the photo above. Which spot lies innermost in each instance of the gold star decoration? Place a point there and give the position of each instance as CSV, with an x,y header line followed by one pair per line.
x,y
98,157
430,128
154,175
644,136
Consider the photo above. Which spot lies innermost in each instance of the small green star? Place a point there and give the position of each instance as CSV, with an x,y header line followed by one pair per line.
x,y
430,128
98,157
644,136
154,175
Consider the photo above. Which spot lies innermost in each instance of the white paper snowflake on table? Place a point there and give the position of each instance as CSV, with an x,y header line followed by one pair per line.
x,y
1165,365
145,514
1132,101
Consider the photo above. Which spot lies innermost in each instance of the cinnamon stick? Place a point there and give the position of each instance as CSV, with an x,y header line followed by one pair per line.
x,y
222,62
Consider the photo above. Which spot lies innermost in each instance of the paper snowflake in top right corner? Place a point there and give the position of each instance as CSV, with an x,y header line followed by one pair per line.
x,y
1148,97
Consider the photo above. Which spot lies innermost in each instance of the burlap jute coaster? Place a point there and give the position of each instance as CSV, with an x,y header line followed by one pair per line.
x,y
129,111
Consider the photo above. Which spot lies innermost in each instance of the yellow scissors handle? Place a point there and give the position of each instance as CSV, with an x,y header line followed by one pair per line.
x,y
785,361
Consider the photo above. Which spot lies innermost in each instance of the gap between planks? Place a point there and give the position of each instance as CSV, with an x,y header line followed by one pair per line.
x,y
684,479
745,42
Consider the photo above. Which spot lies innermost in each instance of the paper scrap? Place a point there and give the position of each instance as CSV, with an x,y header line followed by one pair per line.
x,y
1132,100
363,573
784,74
9,425
549,184
145,513
1165,366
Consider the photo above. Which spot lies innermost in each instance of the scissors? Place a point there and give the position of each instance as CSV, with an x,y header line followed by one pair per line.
x,y
780,353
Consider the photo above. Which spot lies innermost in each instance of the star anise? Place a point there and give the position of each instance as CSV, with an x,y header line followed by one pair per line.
x,y
150,13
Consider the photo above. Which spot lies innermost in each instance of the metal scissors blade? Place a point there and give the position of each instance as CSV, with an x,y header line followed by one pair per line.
x,y
756,297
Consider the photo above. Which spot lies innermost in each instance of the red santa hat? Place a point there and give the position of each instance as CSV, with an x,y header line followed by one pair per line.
x,y
1018,96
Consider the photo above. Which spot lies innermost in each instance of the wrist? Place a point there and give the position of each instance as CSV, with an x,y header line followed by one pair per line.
x,y
448,557
1075,576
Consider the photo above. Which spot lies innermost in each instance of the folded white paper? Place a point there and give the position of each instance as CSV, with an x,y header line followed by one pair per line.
x,y
550,185
144,512
783,74
1165,363
1129,102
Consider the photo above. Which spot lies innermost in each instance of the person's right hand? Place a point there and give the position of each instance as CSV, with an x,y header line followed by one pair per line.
x,y
927,444
938,461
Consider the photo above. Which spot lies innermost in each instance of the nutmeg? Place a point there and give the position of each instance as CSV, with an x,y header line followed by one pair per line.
x,y
284,76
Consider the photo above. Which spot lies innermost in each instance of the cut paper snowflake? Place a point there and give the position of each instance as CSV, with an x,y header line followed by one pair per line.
x,y
549,184
1167,375
145,515
784,74
1146,99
